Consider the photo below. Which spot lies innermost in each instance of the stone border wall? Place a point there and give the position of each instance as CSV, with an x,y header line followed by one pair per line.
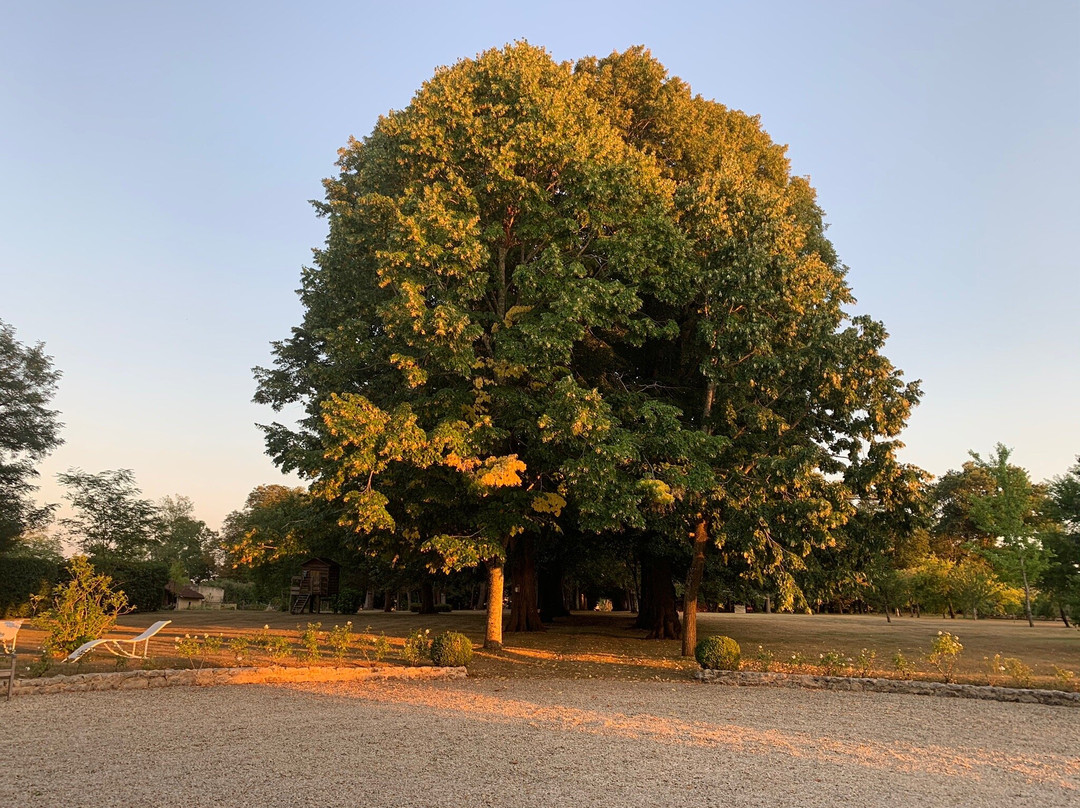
x,y
1057,698
142,680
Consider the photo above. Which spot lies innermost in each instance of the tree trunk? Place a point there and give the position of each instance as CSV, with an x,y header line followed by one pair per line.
x,y
494,634
549,586
1027,593
693,582
388,601
427,598
657,614
524,615
369,600
1064,617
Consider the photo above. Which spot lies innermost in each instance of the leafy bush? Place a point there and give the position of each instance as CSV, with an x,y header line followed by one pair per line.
x,y
348,601
340,639
718,654
832,662
143,582
417,648
242,593
23,577
902,665
309,640
451,650
944,652
83,608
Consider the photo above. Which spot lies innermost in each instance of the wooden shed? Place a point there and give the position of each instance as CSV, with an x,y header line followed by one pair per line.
x,y
319,579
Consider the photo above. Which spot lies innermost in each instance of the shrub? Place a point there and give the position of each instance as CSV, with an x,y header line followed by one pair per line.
x,y
142,581
903,667
718,653
451,650
1066,678
765,659
1020,674
23,577
832,662
417,648
340,639
380,647
865,661
83,609
309,640
944,652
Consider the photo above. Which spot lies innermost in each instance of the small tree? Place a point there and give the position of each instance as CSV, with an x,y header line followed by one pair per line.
x,y
83,608
1009,513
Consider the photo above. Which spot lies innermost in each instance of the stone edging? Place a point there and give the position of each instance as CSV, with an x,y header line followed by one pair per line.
x,y
142,680
1057,698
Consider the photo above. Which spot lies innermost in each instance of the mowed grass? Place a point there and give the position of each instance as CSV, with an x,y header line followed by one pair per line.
x,y
604,645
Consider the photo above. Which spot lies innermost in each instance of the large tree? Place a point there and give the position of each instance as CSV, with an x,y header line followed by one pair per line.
x,y
110,520
553,295
29,430
804,407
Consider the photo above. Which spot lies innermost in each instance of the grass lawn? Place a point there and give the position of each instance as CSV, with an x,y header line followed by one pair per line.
x,y
604,646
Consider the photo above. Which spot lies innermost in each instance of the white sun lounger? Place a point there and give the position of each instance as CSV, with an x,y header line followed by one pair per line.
x,y
9,630
121,647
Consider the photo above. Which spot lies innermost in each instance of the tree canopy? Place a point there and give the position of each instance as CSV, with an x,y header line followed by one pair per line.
x,y
29,430
563,297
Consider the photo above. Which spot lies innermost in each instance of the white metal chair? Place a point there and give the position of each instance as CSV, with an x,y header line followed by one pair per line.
x,y
121,647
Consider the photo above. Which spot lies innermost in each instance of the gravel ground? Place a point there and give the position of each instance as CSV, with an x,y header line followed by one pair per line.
x,y
506,742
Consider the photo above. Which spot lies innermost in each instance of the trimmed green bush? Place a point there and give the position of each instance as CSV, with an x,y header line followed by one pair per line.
x,y
21,577
718,654
451,650
142,581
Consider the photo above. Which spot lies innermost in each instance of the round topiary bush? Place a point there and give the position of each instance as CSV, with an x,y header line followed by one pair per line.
x,y
718,653
451,650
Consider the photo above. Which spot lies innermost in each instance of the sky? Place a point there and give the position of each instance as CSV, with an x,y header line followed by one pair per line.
x,y
156,162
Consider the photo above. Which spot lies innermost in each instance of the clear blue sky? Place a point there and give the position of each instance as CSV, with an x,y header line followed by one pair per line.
x,y
156,161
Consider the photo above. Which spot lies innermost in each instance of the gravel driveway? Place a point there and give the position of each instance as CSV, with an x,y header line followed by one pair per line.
x,y
481,742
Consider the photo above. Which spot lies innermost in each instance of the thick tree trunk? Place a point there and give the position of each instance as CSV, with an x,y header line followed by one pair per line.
x,y
693,582
481,597
549,586
427,598
494,635
524,615
1064,617
388,601
657,614
369,600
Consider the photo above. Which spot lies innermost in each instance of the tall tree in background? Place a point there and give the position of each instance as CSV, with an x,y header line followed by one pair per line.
x,y
1010,512
111,519
184,542
29,430
1061,577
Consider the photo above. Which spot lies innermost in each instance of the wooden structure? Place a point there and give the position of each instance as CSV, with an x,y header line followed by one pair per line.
x,y
319,578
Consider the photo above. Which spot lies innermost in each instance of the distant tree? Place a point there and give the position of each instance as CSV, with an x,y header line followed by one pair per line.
x,y
954,533
1010,512
29,430
184,540
111,521
1061,577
